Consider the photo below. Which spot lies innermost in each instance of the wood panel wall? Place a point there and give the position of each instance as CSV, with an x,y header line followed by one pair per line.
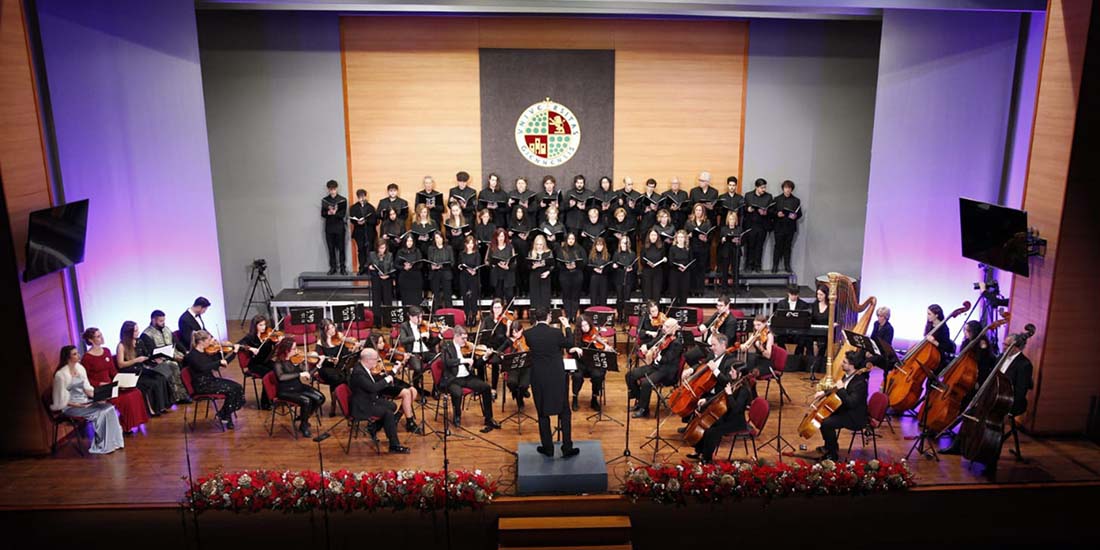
x,y
412,94
1056,295
27,188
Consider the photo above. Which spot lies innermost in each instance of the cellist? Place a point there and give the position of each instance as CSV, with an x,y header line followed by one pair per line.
x,y
722,363
737,401
852,413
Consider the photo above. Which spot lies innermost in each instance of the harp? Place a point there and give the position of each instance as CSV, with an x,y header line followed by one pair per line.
x,y
844,314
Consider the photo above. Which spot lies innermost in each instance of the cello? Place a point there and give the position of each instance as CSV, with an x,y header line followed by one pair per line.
x,y
711,412
683,399
823,407
905,383
945,401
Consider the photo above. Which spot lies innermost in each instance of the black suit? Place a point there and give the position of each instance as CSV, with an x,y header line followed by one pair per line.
x,y
641,381
187,325
367,401
804,342
549,381
405,338
728,327
455,384
851,414
1019,373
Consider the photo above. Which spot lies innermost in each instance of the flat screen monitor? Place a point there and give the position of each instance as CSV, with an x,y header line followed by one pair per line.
x,y
994,235
55,238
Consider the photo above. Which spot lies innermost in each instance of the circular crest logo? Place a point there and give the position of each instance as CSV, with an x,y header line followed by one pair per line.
x,y
548,134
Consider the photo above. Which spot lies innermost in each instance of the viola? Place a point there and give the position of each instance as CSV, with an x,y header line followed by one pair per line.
x,y
905,383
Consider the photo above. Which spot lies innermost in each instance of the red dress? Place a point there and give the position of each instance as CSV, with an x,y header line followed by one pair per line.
x,y
130,403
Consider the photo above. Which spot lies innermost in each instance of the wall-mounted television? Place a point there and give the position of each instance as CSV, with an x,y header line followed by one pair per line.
x,y
55,238
994,235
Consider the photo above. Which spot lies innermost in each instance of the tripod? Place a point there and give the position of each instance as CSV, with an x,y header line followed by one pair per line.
x,y
655,438
631,359
780,441
258,275
599,415
925,442
519,416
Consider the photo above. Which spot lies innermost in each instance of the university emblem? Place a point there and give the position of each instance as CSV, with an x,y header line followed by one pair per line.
x,y
548,134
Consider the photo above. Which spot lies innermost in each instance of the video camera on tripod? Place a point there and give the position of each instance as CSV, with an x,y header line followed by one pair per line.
x,y
258,267
991,291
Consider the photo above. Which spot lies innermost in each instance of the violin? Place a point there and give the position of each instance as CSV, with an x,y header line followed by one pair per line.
x,y
391,353
660,346
476,351
215,347
519,345
271,335
658,320
593,339
297,358
719,320
344,341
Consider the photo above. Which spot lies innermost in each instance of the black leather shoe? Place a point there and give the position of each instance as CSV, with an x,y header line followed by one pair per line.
x,y
412,427
576,406
681,430
695,456
457,422
640,413
399,449
306,432
595,404
490,426
332,271
343,271
229,425
542,451
570,452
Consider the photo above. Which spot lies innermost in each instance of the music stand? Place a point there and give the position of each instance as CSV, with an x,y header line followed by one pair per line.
x,y
306,315
512,363
445,318
607,360
603,318
393,316
684,315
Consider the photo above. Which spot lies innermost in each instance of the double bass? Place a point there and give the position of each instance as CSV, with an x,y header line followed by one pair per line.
x,y
945,401
711,412
823,407
905,383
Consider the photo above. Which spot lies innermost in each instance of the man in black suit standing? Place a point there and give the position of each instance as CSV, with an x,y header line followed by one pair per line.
x,y
367,400
191,320
852,413
334,209
549,381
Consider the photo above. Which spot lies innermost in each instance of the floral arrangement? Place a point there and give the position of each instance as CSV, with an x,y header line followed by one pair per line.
x,y
724,480
291,491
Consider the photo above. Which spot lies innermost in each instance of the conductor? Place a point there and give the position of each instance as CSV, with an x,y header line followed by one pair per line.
x,y
549,381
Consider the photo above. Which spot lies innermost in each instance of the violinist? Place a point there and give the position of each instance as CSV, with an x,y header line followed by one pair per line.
x,y
203,365
334,349
410,274
519,380
382,271
458,374
624,276
295,382
587,335
441,259
759,347
541,264
495,326
737,401
653,265
398,390
503,274
852,413
418,343
470,261
729,252
649,327
364,227
368,401
665,353
259,344
599,265
571,277
722,321
430,199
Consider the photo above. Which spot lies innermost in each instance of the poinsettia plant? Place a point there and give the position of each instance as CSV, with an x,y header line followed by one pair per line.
x,y
724,480
300,491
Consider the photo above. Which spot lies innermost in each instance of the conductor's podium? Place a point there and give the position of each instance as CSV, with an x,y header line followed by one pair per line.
x,y
539,474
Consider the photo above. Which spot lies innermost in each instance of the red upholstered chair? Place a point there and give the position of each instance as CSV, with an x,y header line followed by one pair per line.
x,y
281,407
208,398
358,328
607,332
304,335
460,316
694,321
244,357
876,415
779,364
436,368
758,417
632,326
58,419
343,398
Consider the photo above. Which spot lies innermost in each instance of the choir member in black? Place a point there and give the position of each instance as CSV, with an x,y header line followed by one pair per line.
x,y
470,262
623,226
463,195
649,326
625,274
941,338
203,380
788,210
519,380
191,320
493,331
419,346
653,265
731,200
699,230
423,227
705,195
261,351
608,198
334,210
679,269
648,204
484,227
628,199
552,227
368,399
852,413
662,371
333,351
587,335
549,382
523,198
364,227
520,226
792,303
502,261
591,229
882,332
410,274
757,205
572,257
578,199
759,347
737,401
294,384
540,262
550,196
383,271
458,374
432,199
677,202
495,200
728,252
393,202
393,229
723,316
456,226
599,266
130,357
441,263
664,226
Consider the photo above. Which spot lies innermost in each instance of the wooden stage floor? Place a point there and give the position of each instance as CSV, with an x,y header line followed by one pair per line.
x,y
153,466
